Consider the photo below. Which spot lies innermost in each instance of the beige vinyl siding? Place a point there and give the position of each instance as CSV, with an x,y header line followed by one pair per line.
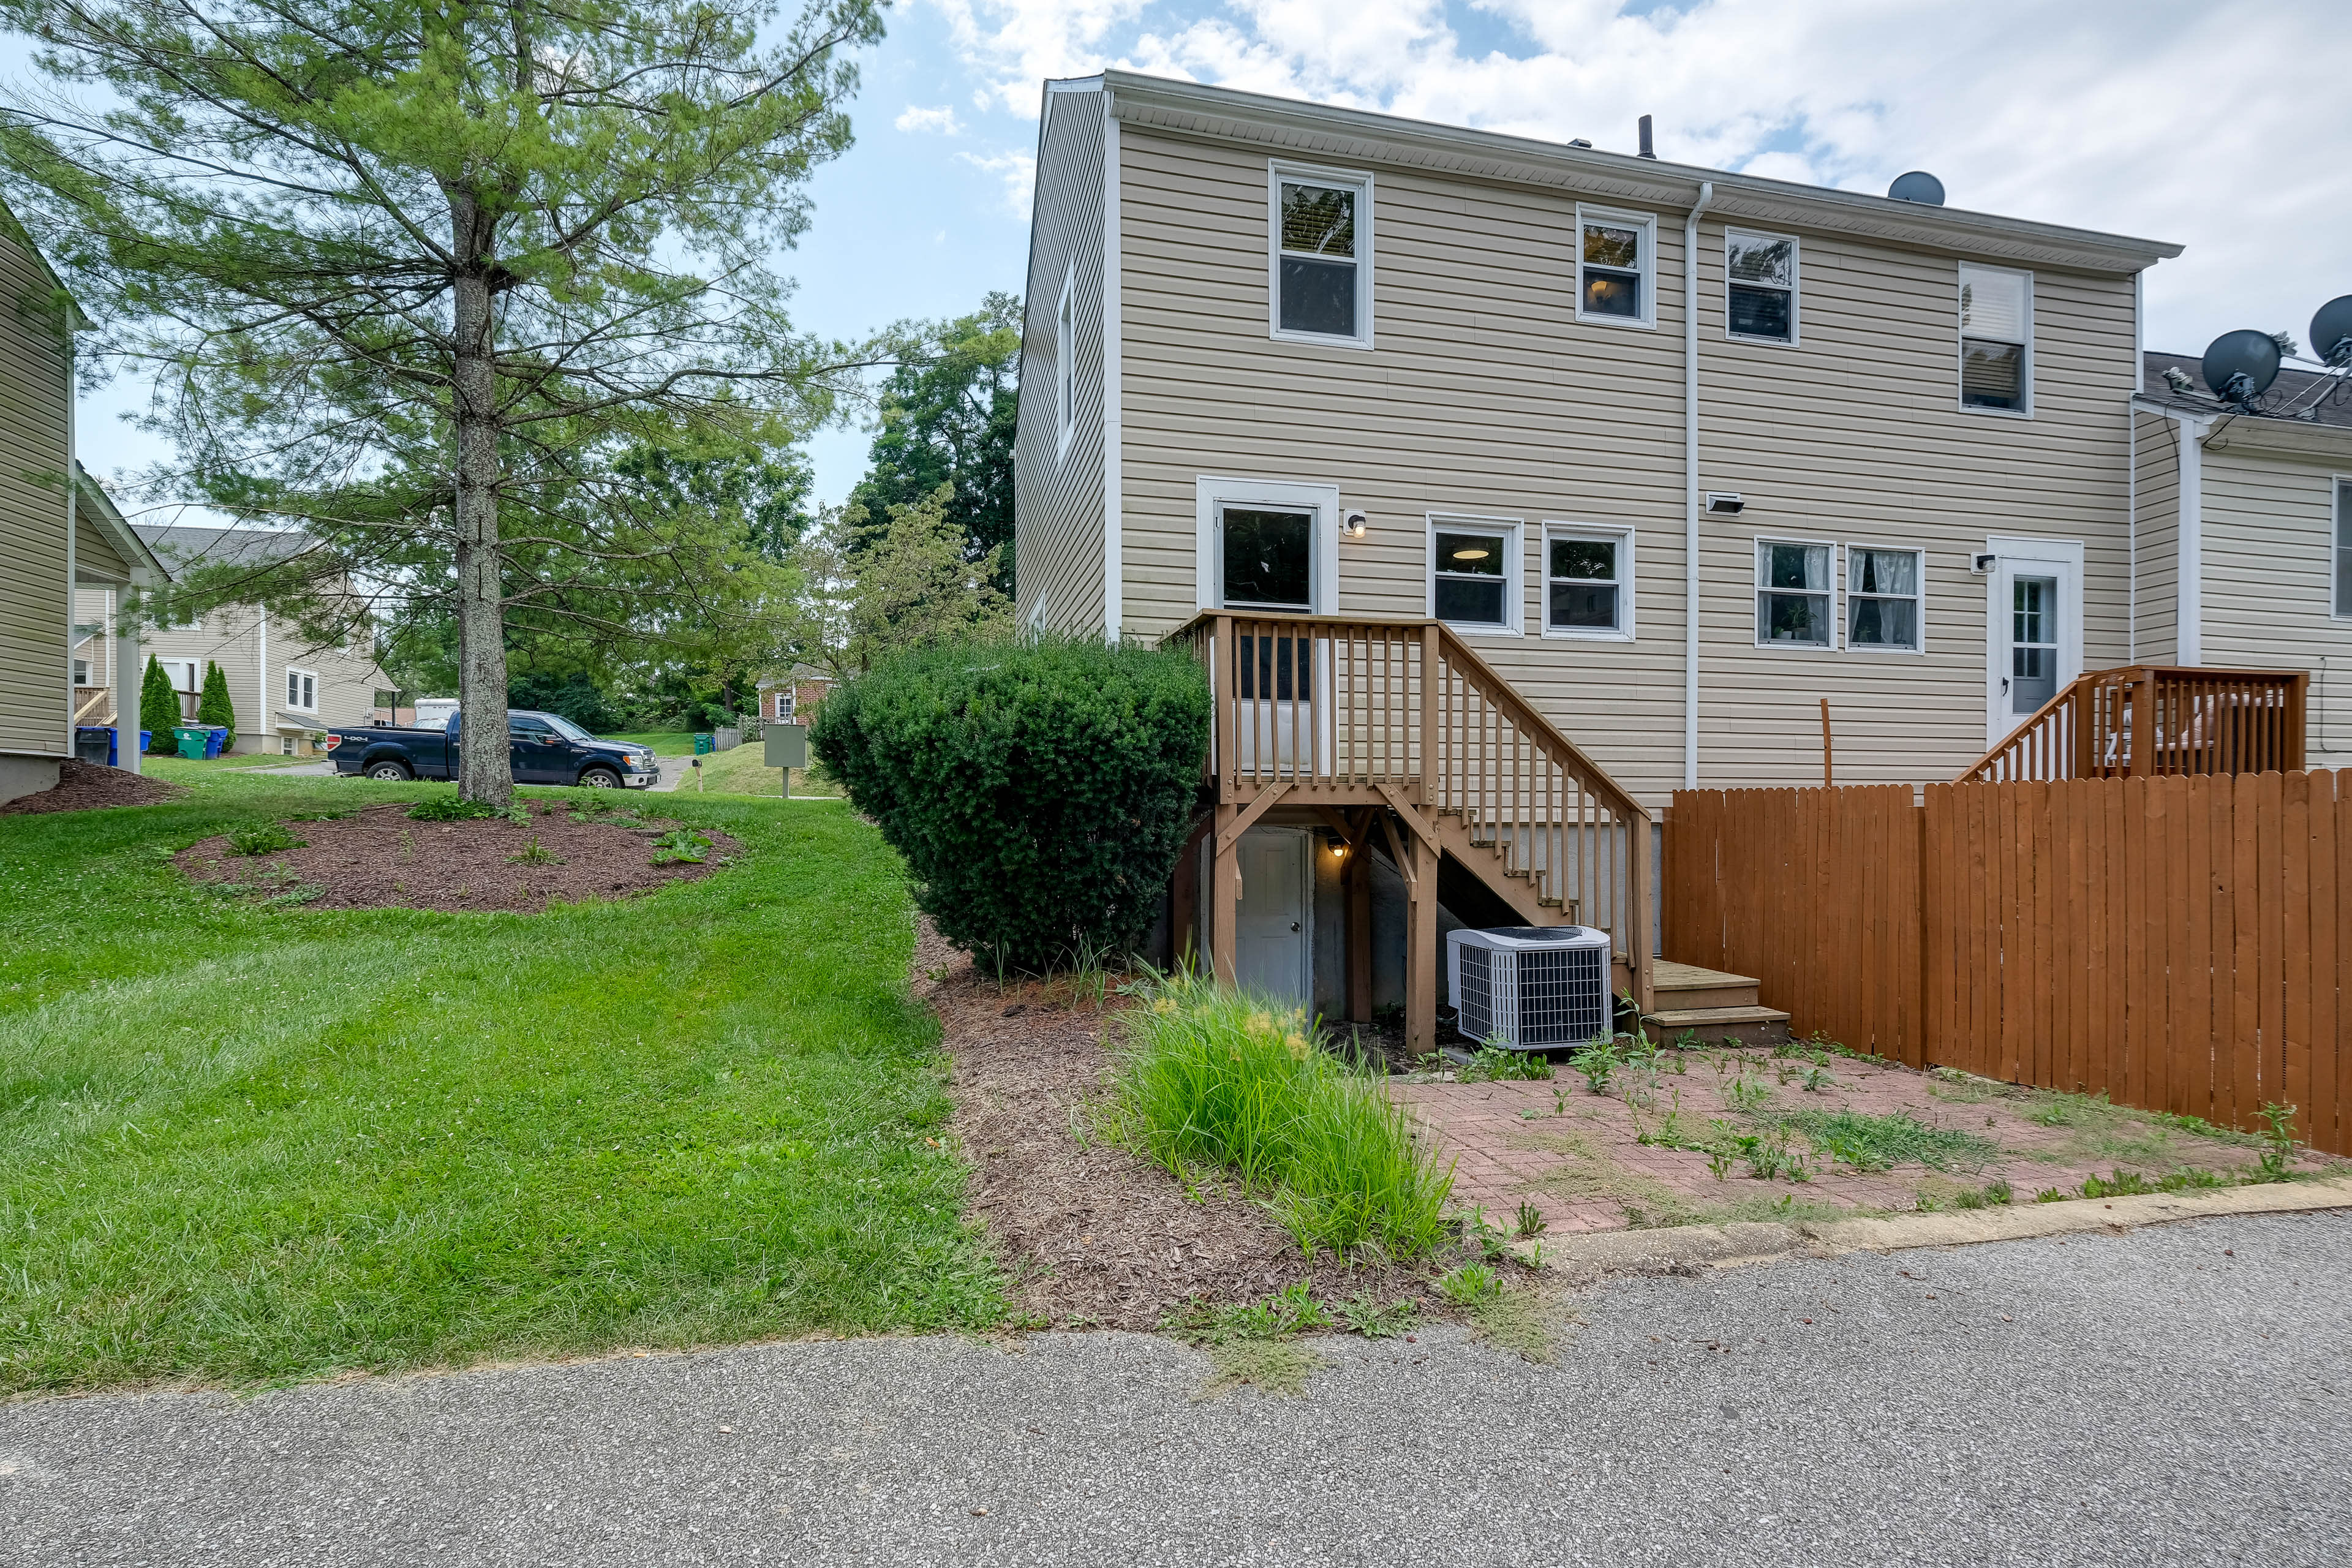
x,y
36,590
96,559
95,607
2158,507
347,682
1485,394
1058,494
2269,523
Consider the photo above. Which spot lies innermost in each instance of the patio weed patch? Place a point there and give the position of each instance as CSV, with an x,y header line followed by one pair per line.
x,y
1881,1143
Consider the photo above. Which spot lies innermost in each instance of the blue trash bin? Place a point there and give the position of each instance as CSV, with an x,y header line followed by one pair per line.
x,y
214,740
113,746
146,739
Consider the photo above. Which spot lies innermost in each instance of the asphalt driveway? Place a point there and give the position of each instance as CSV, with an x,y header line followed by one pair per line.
x,y
2179,1394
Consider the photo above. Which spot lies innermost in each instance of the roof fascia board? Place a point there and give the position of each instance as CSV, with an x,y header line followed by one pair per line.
x,y
1333,133
2282,438
111,522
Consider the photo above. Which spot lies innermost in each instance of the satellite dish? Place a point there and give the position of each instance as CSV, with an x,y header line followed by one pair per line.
x,y
1918,185
2330,326
2241,365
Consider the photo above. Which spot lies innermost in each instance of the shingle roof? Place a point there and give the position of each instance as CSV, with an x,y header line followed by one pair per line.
x,y
2295,391
180,548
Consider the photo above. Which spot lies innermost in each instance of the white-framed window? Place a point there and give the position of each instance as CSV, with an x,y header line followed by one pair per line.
x,y
1616,266
1319,254
1759,286
301,690
285,746
1796,597
784,706
1996,339
1267,545
1474,572
1886,599
183,673
1066,362
81,672
1588,588
2344,547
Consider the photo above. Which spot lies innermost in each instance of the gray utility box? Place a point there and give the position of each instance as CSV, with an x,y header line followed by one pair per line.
x,y
787,745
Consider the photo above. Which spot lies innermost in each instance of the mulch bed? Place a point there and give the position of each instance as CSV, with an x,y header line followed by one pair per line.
x,y
1093,1234
82,787
381,859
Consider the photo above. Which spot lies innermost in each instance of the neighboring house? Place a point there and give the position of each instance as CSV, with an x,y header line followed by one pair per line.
x,y
286,688
2245,535
793,699
54,541
1648,459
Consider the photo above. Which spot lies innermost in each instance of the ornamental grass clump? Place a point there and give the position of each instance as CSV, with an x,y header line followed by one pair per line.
x,y
1212,1075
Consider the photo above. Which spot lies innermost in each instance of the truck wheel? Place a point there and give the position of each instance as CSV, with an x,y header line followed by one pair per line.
x,y
600,778
390,772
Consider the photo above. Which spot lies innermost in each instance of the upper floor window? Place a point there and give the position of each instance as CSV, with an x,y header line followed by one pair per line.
x,y
301,690
1793,595
2344,547
1322,253
1996,338
81,672
1616,266
1883,599
1472,572
1065,378
1266,556
1759,280
1588,579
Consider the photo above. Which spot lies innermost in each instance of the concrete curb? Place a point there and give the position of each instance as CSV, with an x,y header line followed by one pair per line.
x,y
1683,1248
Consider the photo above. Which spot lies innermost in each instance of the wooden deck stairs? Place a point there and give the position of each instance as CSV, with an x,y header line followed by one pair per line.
x,y
1719,1008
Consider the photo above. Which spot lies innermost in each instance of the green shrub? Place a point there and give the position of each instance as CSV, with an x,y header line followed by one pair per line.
x,y
1040,792
159,707
1212,1076
452,807
264,838
214,708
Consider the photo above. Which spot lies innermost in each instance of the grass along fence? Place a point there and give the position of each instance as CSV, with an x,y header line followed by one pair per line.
x,y
2173,942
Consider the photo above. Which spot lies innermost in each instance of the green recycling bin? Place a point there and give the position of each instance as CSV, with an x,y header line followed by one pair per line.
x,y
192,740
705,744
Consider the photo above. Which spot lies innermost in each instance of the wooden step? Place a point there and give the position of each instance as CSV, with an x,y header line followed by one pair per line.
x,y
1750,1026
1686,986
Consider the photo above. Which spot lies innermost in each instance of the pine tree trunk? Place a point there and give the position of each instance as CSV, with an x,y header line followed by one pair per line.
x,y
484,772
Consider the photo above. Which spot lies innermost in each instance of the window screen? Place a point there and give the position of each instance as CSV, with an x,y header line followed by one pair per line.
x,y
1319,260
1268,556
1582,584
1761,278
1995,312
1470,579
1793,595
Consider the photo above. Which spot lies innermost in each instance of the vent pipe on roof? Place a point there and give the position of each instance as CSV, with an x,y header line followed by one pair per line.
x,y
1646,149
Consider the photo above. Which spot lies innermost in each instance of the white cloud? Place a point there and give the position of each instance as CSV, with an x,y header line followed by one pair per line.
x,y
1019,170
2216,124
941,119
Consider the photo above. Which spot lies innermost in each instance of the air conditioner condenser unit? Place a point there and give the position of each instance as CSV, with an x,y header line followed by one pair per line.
x,y
1537,987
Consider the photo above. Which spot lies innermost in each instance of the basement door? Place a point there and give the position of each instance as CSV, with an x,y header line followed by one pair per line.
x,y
1273,939
2034,624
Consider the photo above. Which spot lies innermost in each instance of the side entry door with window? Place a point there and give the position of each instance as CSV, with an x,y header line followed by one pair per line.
x,y
2033,636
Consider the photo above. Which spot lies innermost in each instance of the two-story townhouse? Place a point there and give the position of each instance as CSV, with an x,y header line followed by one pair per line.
x,y
285,686
1669,455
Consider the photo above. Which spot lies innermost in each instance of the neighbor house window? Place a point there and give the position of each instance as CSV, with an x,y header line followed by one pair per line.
x,y
301,690
1588,579
1474,573
2344,547
1759,279
1066,358
784,707
81,672
1883,600
1996,338
1793,595
1616,266
1322,257
1266,556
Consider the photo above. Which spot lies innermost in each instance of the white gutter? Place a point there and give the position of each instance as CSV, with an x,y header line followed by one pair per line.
x,y
1113,565
1690,485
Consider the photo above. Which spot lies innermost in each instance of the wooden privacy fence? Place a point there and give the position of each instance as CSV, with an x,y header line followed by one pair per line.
x,y
2173,941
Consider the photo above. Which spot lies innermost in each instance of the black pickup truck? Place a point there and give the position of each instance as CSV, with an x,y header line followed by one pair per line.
x,y
544,747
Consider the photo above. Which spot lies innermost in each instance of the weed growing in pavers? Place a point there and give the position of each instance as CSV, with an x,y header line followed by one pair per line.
x,y
264,838
1494,1063
1365,1313
2117,1185
1992,1194
1470,1285
534,854
2278,1153
1817,1080
1769,1155
1870,1142
2192,1179
1598,1061
1531,1221
2050,1195
1673,1132
2055,1115
1720,1162
1747,1095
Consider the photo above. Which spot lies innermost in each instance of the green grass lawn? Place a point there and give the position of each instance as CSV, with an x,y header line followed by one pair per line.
x,y
665,742
247,1145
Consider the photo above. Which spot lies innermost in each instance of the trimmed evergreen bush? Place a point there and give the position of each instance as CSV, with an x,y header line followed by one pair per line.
x,y
1040,792
159,707
214,707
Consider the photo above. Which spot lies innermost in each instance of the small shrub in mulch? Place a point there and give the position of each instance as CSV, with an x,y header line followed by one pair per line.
x,y
81,786
381,858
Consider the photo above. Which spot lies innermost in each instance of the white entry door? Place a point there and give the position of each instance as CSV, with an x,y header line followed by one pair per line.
x,y
2033,628
1272,939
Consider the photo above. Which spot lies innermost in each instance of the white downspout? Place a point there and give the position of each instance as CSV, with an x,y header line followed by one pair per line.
x,y
1690,485
262,630
2189,644
2131,532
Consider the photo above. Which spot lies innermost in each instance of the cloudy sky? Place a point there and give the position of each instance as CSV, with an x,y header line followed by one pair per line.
x,y
2221,125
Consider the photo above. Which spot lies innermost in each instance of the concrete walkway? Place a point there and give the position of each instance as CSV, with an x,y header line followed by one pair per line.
x,y
2176,1394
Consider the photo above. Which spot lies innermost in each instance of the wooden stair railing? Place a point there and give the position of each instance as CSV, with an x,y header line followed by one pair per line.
x,y
1342,710
2201,720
